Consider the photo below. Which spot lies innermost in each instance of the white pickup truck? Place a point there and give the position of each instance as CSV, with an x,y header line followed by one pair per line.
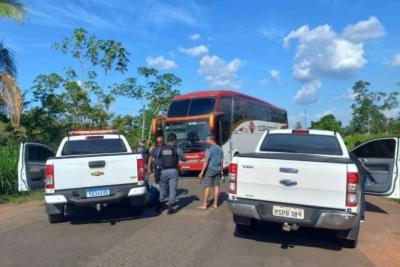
x,y
308,178
90,168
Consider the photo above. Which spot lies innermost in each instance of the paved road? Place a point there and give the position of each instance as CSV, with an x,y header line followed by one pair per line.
x,y
188,238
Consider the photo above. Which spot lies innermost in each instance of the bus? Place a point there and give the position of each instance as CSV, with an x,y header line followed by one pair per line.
x,y
237,120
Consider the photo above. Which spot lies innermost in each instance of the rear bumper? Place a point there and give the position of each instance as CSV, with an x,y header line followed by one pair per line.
x,y
117,193
313,216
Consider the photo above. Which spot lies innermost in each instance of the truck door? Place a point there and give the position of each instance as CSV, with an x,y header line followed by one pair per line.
x,y
378,162
31,165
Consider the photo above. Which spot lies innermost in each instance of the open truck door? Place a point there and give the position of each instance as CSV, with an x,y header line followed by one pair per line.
x,y
31,165
378,164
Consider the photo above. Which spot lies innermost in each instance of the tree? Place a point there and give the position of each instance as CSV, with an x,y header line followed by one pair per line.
x,y
298,125
10,95
367,116
327,122
155,95
79,97
371,110
12,9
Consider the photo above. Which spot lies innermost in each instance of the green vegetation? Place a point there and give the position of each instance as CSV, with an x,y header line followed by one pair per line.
x,y
79,97
370,116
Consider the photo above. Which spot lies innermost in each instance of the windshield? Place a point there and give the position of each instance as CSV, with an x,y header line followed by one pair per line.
x,y
93,146
308,144
191,107
191,135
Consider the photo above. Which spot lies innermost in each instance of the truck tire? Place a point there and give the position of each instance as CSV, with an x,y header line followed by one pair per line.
x,y
349,238
56,218
244,225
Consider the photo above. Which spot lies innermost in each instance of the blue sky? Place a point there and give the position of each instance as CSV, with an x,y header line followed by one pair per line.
x,y
299,55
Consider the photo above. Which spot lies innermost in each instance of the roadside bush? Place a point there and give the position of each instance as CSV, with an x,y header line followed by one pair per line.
x,y
8,170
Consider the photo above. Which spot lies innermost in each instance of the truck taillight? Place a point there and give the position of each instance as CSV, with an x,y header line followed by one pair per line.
x,y
49,176
233,167
140,170
353,185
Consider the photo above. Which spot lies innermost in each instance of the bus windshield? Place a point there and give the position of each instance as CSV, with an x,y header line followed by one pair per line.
x,y
191,135
191,107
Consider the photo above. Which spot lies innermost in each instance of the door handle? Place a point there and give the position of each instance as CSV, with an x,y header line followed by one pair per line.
x,y
288,182
97,164
288,170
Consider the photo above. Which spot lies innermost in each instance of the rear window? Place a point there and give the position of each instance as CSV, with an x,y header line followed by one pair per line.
x,y
93,146
307,144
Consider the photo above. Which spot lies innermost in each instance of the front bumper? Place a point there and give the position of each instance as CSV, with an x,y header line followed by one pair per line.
x,y
78,197
196,165
313,216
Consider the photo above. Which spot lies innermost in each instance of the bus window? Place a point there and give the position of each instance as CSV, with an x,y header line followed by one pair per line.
x,y
179,108
226,118
201,106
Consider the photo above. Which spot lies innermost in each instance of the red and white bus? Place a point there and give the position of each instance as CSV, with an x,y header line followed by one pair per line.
x,y
236,119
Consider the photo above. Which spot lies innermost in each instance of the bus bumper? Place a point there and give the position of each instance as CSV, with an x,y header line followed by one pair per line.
x,y
191,166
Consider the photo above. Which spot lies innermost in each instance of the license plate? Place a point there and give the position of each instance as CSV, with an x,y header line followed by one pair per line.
x,y
288,212
98,192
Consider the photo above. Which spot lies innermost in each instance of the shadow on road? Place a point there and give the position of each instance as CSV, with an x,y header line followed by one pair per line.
x,y
306,237
112,214
373,208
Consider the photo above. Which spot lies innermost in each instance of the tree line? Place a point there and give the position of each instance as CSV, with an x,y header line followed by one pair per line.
x,y
81,96
373,113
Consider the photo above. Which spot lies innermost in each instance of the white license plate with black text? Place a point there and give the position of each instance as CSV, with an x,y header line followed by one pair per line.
x,y
288,212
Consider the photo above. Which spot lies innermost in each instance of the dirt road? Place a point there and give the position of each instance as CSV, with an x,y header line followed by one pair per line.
x,y
188,238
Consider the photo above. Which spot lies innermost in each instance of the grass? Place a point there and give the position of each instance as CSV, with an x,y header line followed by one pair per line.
x,y
9,177
19,198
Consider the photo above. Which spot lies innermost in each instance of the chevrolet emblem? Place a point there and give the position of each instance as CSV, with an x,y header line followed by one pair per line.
x,y
97,173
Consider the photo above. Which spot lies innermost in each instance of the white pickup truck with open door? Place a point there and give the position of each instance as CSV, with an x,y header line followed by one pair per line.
x,y
308,178
90,168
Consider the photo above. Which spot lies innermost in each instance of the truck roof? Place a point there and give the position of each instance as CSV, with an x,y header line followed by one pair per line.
x,y
310,131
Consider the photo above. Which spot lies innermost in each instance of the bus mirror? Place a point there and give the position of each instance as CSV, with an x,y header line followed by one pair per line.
x,y
211,122
154,126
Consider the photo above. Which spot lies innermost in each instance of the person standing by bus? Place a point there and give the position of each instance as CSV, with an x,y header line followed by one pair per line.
x,y
154,164
212,171
169,156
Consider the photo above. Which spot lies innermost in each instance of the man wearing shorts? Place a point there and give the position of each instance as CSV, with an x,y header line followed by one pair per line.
x,y
212,171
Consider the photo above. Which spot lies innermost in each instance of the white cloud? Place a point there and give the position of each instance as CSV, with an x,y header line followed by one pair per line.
x,y
322,52
364,30
348,96
308,93
218,73
161,63
396,60
195,36
264,82
275,75
195,51
326,112
271,31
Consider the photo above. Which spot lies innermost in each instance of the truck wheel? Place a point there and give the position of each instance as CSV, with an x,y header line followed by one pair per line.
x,y
244,225
56,218
349,238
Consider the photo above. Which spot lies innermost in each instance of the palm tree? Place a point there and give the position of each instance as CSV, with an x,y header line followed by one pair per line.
x,y
10,95
12,9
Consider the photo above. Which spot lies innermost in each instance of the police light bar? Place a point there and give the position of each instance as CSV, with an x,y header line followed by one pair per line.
x,y
92,132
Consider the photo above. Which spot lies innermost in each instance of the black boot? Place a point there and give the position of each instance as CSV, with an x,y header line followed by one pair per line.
x,y
171,210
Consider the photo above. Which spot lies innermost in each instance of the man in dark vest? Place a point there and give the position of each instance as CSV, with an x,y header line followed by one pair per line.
x,y
169,156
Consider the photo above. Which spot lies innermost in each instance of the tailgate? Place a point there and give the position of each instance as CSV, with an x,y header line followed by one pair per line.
x,y
319,184
81,172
